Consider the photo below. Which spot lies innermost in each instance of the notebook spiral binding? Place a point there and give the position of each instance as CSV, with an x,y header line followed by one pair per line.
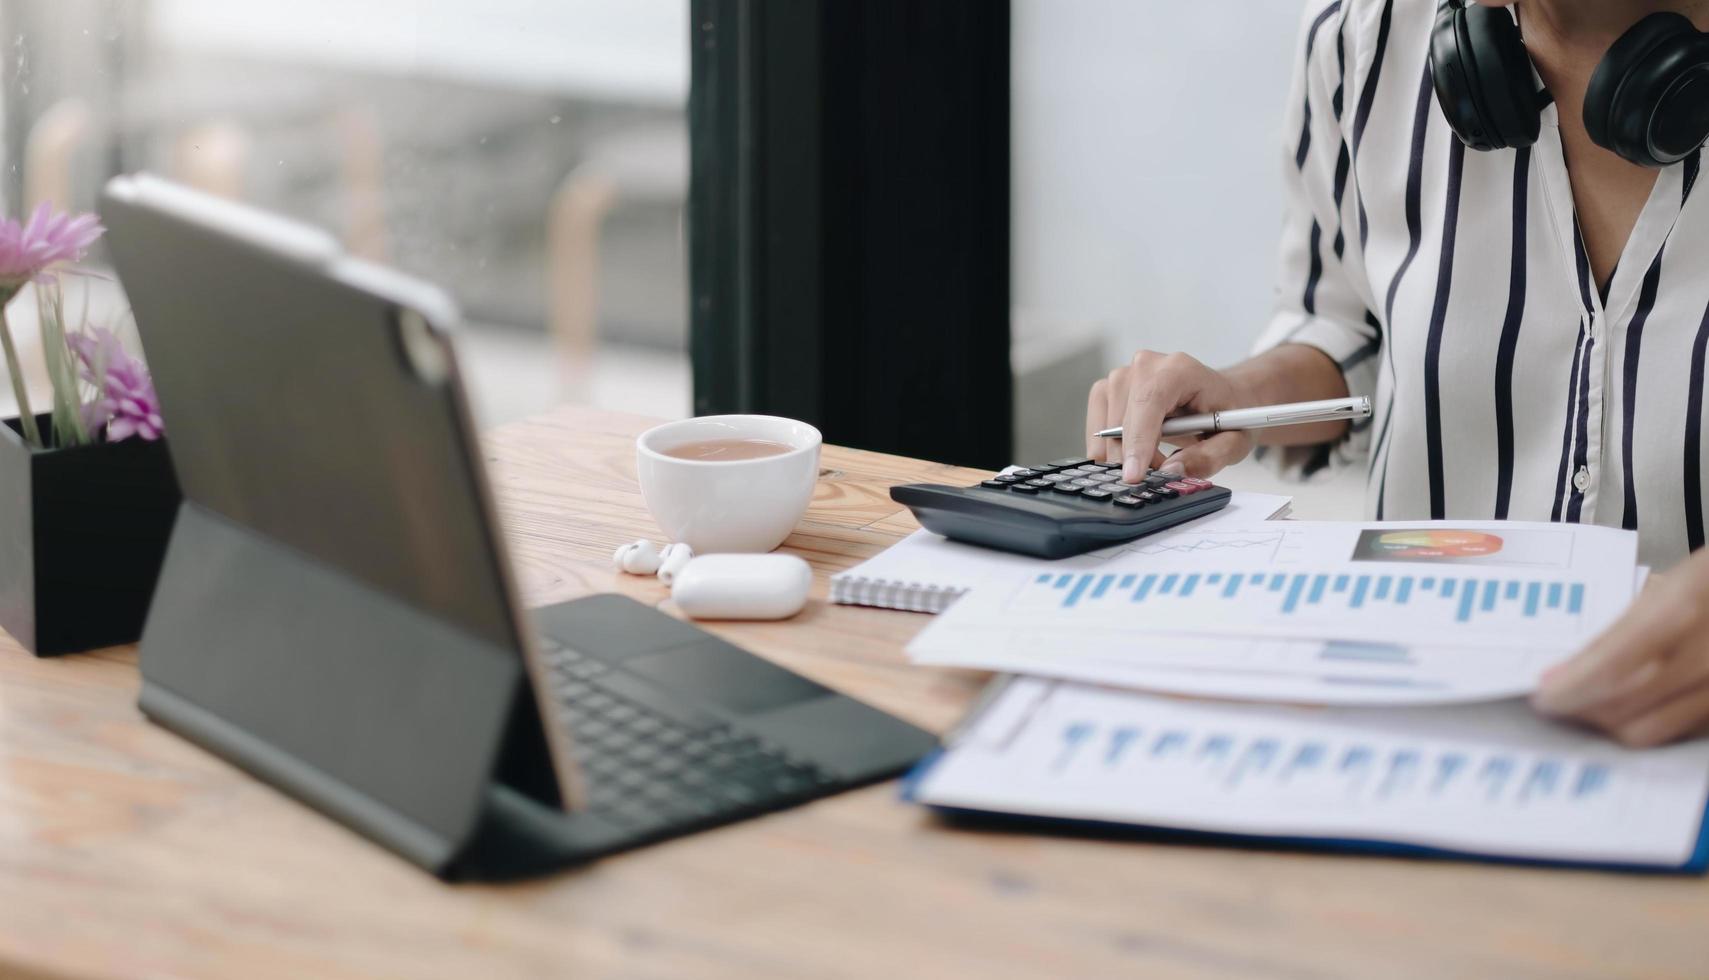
x,y
893,594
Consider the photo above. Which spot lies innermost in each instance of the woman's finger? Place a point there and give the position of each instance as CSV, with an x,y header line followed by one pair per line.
x,y
1115,399
1207,457
1160,385
1686,714
1649,630
1097,405
1649,687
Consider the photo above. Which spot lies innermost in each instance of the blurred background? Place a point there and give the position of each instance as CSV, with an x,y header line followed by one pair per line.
x,y
532,157
528,155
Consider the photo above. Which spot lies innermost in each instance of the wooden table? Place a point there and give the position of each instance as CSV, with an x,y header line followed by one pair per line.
x,y
125,852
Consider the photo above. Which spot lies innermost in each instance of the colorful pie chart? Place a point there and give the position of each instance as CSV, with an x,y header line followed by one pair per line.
x,y
1437,544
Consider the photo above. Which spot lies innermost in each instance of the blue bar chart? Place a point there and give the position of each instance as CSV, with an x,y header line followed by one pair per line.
x,y
1238,763
1453,598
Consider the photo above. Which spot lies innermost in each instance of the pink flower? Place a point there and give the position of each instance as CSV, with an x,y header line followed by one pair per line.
x,y
50,237
124,392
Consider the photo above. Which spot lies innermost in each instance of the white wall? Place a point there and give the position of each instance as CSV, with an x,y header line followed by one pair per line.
x,y
1146,166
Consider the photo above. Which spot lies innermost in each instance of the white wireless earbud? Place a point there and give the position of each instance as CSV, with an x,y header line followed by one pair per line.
x,y
637,558
672,559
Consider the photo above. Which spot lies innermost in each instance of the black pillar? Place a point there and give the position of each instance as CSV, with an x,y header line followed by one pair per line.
x,y
849,219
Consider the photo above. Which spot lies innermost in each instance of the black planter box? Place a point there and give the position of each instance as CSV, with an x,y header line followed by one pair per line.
x,y
82,534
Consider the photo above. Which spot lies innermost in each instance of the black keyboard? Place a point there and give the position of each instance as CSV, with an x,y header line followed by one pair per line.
x,y
653,773
1062,508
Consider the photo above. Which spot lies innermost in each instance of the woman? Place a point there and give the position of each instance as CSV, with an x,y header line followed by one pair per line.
x,y
1529,319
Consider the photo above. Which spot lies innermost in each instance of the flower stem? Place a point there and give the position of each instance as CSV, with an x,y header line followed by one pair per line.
x,y
26,418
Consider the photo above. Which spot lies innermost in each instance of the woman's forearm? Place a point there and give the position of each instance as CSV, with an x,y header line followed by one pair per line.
x,y
1291,373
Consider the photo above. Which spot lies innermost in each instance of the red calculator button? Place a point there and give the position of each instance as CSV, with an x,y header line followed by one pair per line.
x,y
1182,487
1195,481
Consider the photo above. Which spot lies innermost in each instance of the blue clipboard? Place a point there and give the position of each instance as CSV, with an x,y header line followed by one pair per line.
x,y
1697,864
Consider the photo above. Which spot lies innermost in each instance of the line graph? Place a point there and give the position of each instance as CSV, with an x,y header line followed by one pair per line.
x,y
1273,547
1238,542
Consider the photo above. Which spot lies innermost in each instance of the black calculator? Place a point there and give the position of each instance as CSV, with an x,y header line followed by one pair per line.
x,y
1063,508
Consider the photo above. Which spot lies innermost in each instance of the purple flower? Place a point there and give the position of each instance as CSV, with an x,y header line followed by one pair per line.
x,y
124,392
50,237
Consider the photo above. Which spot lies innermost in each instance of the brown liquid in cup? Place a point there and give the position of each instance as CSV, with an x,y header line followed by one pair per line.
x,y
727,450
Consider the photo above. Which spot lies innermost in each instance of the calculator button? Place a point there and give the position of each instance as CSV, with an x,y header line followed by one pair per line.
x,y
1026,473
1042,483
1056,477
1066,488
1130,500
1146,495
1070,461
1164,493
1104,477
1026,488
1007,478
1183,488
1096,493
1195,481
1084,482
1155,481
995,485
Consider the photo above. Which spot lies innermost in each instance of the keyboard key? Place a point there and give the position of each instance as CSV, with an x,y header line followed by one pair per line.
x,y
1183,488
995,485
1195,481
1025,488
1084,482
1056,478
1105,477
1025,473
1130,500
1096,493
1042,483
1164,492
570,691
1007,478
1067,488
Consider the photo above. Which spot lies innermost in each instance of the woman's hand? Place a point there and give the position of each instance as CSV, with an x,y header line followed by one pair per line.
x,y
1646,680
1141,394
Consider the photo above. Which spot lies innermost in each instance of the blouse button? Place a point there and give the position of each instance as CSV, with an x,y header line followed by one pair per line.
x,y
1581,479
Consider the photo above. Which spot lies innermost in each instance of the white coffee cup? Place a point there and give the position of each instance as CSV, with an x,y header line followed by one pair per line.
x,y
738,505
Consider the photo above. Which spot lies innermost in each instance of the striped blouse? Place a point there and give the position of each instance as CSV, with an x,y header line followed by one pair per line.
x,y
1452,286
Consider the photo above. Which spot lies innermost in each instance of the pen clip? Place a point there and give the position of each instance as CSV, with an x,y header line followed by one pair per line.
x,y
1316,414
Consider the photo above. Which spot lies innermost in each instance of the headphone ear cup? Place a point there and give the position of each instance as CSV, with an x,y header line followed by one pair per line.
x,y
1482,77
1628,88
1450,76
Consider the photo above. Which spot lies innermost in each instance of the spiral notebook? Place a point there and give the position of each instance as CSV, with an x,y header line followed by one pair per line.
x,y
925,573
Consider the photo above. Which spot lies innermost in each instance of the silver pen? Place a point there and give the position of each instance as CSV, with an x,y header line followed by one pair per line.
x,y
1262,417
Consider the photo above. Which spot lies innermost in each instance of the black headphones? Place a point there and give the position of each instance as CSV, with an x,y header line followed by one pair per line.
x,y
1648,100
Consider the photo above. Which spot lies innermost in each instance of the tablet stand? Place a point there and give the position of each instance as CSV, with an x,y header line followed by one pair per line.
x,y
416,734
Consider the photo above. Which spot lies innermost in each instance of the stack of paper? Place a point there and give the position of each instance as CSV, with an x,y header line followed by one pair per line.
x,y
1314,612
1398,651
